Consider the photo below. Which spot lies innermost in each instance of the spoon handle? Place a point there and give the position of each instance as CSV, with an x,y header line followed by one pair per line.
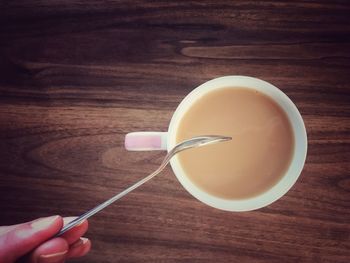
x,y
103,205
188,144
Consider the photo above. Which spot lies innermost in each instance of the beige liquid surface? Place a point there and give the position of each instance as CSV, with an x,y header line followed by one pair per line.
x,y
254,160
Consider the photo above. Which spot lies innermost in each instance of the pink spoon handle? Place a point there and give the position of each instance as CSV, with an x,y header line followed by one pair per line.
x,y
146,141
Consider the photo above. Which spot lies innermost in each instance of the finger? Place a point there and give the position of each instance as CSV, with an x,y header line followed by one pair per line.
x,y
79,248
76,232
5,229
25,237
54,250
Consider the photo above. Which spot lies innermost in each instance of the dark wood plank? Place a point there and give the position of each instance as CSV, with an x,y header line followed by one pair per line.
x,y
76,76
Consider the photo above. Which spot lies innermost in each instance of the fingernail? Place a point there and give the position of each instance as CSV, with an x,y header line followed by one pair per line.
x,y
81,223
43,223
67,220
53,258
80,242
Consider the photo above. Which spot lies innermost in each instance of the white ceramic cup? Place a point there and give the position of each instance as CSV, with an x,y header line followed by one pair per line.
x,y
142,141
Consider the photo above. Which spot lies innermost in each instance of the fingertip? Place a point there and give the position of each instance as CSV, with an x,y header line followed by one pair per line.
x,y
69,219
79,248
55,249
52,223
87,248
76,232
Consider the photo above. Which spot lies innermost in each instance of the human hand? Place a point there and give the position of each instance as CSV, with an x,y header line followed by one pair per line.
x,y
37,239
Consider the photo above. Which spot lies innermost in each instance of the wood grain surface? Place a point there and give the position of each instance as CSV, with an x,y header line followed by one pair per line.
x,y
76,76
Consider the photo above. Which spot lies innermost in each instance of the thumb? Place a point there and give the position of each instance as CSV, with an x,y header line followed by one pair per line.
x,y
19,240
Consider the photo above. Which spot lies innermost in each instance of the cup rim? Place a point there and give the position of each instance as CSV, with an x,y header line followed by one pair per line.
x,y
294,169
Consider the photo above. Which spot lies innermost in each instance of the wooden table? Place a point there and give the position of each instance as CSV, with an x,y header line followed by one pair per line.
x,y
76,76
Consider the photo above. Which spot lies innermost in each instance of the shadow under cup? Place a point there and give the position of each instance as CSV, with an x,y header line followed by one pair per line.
x,y
297,160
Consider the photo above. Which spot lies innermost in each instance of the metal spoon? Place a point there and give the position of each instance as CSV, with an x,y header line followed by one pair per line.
x,y
188,144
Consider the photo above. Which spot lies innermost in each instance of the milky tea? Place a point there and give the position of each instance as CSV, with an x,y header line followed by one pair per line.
x,y
254,160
